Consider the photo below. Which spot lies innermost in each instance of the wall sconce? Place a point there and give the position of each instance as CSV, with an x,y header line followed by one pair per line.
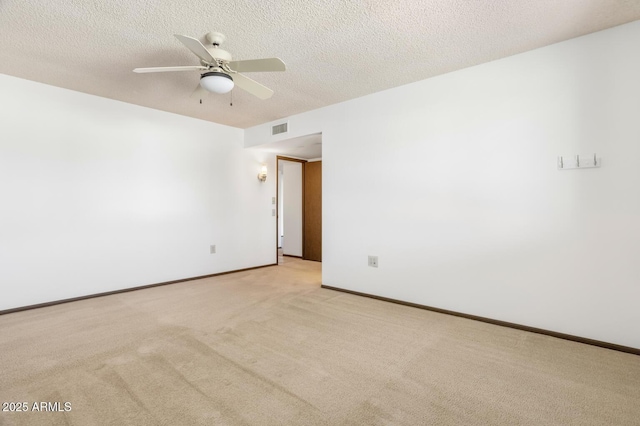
x,y
262,176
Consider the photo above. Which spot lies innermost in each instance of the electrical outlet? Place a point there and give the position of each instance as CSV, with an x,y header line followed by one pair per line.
x,y
373,261
273,212
273,200
212,249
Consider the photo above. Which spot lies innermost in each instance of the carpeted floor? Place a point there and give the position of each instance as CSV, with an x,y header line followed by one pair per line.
x,y
269,347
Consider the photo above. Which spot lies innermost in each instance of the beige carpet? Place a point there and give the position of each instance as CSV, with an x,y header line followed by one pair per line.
x,y
269,347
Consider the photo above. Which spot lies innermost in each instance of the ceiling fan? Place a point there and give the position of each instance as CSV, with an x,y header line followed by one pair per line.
x,y
221,74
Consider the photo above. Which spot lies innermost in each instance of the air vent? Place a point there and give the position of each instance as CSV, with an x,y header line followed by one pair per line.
x,y
279,128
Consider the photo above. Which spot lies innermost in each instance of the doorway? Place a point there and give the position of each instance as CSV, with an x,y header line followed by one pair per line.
x,y
299,208
290,206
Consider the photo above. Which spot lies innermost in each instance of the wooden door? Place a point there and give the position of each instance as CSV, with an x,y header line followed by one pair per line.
x,y
313,211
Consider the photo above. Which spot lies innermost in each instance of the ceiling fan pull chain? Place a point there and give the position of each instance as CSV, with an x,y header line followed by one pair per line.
x,y
231,103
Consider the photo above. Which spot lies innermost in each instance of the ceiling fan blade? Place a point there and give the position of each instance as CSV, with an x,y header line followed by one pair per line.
x,y
252,86
194,45
258,65
167,69
200,93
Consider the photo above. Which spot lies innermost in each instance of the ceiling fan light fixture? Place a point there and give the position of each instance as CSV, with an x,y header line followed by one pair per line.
x,y
216,82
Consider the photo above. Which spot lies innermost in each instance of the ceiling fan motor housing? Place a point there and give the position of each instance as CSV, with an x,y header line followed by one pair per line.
x,y
220,54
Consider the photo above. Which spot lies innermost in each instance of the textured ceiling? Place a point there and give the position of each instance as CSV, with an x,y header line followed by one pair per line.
x,y
335,50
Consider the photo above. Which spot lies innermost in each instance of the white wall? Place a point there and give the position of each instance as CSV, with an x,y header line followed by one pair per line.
x,y
98,195
452,182
292,207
